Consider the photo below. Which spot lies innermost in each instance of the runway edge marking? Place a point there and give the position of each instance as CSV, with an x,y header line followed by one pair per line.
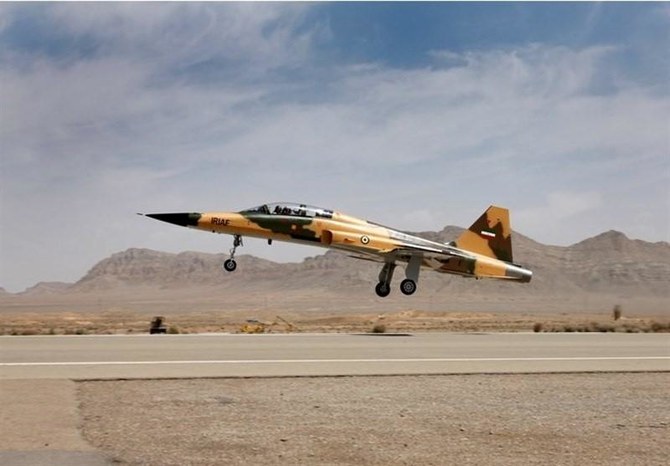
x,y
323,361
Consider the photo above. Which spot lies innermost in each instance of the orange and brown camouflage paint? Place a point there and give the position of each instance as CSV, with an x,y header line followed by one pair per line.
x,y
482,251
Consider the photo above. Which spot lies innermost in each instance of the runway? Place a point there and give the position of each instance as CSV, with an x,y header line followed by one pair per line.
x,y
282,355
44,413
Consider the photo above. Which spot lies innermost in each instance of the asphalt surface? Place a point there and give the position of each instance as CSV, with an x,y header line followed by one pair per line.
x,y
226,355
39,424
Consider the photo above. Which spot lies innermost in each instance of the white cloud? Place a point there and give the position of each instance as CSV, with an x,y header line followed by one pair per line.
x,y
557,209
258,36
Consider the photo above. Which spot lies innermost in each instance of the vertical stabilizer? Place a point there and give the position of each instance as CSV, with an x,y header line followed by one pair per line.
x,y
490,235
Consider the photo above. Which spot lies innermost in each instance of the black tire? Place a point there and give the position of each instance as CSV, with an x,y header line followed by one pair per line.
x,y
382,289
230,265
408,286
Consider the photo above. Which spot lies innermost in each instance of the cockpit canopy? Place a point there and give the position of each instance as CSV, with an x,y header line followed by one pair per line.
x,y
290,208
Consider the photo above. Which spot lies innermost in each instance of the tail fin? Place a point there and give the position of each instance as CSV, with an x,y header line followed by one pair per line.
x,y
490,235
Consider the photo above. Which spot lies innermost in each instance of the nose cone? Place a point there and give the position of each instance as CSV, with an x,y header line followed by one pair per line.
x,y
183,219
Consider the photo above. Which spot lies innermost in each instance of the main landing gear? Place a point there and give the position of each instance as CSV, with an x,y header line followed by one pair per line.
x,y
383,288
407,286
230,265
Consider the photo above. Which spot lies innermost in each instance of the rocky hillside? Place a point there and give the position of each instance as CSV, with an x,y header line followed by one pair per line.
x,y
608,268
605,263
141,267
47,288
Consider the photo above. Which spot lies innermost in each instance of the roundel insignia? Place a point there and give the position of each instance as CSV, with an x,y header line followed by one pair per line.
x,y
365,239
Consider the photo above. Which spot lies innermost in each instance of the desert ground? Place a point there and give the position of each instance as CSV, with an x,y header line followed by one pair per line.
x,y
128,322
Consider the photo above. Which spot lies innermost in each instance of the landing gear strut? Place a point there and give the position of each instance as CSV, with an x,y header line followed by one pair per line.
x,y
383,288
408,285
230,265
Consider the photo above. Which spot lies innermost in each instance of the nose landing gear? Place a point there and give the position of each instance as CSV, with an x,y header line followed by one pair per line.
x,y
230,265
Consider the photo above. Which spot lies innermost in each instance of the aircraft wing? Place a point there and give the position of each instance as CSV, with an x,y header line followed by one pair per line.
x,y
406,251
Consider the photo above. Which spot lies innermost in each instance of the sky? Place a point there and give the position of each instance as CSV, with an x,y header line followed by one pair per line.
x,y
412,115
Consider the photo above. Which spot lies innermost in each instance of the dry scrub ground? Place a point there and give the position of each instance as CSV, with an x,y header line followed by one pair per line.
x,y
124,322
595,419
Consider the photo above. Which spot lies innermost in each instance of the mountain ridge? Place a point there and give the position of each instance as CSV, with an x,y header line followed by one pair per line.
x,y
606,263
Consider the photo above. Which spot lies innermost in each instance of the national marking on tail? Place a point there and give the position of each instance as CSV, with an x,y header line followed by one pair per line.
x,y
490,235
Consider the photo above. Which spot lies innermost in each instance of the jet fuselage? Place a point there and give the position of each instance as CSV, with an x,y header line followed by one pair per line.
x,y
487,252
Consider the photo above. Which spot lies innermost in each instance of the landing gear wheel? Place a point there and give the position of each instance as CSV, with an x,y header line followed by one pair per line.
x,y
382,289
230,265
408,286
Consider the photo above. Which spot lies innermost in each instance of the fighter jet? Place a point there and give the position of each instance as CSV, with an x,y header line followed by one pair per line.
x,y
482,251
